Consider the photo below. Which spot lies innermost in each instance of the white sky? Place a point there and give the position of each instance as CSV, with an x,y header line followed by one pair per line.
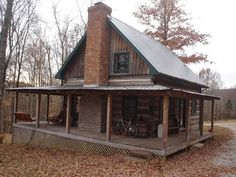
x,y
216,17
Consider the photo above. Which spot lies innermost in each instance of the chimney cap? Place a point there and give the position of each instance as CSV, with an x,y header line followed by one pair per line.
x,y
97,3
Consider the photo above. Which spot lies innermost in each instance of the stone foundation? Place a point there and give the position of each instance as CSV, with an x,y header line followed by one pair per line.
x,y
92,115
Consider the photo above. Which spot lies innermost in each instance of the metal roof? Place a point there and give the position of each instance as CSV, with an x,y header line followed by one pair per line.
x,y
157,56
105,88
112,89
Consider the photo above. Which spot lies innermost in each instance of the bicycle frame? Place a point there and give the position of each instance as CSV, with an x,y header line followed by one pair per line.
x,y
126,125
128,128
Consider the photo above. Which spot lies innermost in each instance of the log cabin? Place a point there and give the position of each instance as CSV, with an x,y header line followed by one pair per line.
x,y
117,74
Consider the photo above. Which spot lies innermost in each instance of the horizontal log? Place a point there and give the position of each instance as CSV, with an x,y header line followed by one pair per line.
x,y
143,107
194,117
196,127
143,111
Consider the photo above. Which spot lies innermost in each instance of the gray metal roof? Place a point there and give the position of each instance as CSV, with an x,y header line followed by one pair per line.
x,y
157,56
77,89
105,88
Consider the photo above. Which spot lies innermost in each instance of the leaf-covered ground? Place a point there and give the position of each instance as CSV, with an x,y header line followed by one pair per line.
x,y
26,161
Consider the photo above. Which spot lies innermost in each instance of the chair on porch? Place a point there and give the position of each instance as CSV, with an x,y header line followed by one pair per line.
x,y
59,119
24,117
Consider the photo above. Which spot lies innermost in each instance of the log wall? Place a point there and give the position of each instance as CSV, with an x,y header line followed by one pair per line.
x,y
194,119
149,111
136,64
76,68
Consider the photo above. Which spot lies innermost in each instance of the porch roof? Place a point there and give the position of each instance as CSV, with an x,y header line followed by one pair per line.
x,y
155,90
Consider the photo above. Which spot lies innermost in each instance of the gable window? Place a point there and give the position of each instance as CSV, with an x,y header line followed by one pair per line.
x,y
194,107
121,62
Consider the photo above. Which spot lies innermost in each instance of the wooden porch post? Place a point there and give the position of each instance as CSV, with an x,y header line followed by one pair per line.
x,y
201,116
109,118
38,110
15,106
165,122
47,107
68,113
187,120
212,115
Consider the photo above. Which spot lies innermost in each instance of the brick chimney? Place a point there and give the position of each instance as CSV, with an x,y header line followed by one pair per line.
x,y
97,55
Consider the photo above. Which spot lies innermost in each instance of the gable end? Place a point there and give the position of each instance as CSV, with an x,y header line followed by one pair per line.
x,y
61,73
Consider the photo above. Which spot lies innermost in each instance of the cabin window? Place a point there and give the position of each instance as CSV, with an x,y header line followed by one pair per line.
x,y
121,62
194,107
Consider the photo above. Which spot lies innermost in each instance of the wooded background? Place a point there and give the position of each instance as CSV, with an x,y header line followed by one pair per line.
x,y
31,53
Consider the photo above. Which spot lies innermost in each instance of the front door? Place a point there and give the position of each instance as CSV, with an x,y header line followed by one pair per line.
x,y
177,114
130,108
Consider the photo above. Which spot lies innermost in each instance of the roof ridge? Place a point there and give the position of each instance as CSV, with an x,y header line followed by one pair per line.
x,y
142,33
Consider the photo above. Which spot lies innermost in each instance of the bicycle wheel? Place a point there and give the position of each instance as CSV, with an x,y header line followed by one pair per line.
x,y
119,129
132,131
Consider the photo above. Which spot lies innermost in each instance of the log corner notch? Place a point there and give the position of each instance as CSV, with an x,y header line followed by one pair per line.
x,y
109,118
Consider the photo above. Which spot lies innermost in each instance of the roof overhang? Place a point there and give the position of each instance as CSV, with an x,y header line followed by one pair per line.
x,y
114,90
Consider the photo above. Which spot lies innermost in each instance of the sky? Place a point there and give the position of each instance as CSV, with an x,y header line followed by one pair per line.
x,y
215,17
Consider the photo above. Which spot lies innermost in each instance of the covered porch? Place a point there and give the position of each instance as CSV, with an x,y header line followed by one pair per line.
x,y
163,145
152,145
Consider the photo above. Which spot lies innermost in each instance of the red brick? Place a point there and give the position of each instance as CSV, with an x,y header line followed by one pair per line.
x,y
97,46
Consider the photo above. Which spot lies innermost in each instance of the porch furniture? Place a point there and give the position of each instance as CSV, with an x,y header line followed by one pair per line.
x,y
59,119
24,117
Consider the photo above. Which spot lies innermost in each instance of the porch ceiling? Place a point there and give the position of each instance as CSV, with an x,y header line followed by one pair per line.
x,y
155,90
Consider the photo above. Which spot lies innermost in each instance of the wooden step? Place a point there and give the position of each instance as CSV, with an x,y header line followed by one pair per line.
x,y
141,154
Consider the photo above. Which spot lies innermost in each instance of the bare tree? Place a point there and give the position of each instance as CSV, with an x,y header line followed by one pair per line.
x,y
211,79
22,34
62,44
68,34
38,61
3,47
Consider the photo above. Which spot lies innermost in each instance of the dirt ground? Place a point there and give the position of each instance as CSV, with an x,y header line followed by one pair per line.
x,y
26,161
227,157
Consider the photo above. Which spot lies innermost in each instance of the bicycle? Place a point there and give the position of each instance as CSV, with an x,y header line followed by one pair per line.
x,y
126,127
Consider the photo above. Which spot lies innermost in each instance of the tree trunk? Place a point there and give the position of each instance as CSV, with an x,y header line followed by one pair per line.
x,y
49,65
3,47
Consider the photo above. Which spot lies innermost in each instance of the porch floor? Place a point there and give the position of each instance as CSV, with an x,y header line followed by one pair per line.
x,y
175,142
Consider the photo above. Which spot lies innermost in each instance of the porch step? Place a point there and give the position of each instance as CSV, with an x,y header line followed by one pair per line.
x,y
141,154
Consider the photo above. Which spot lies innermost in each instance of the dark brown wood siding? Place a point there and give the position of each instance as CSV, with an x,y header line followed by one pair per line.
x,y
149,111
76,68
136,64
